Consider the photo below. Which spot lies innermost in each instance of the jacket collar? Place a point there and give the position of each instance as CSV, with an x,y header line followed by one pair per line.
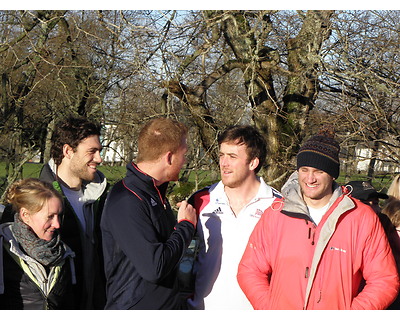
x,y
137,179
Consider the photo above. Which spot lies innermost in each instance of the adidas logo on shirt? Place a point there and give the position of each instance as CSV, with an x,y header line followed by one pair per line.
x,y
153,203
218,211
215,212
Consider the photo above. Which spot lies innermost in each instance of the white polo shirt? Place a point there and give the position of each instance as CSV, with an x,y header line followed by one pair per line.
x,y
225,238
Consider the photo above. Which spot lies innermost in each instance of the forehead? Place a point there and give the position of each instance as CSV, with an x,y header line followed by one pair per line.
x,y
91,142
232,147
310,169
51,205
316,172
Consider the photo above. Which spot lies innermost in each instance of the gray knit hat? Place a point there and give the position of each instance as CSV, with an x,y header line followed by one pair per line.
x,y
321,152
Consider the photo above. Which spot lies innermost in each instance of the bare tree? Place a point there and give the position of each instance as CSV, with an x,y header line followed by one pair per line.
x,y
361,83
286,72
279,75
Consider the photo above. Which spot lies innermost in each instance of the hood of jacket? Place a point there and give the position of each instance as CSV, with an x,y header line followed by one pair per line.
x,y
92,190
293,198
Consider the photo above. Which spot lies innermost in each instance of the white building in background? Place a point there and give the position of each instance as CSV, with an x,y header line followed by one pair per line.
x,y
363,158
113,151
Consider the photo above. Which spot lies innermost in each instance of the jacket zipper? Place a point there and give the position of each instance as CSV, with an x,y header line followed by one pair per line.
x,y
311,237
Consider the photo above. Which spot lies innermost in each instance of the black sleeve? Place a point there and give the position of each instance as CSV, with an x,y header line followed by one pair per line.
x,y
7,215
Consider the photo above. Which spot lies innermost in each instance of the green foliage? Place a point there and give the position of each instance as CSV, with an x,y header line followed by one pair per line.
x,y
181,191
184,190
113,173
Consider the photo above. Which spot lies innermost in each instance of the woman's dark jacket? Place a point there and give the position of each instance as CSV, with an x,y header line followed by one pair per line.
x,y
20,291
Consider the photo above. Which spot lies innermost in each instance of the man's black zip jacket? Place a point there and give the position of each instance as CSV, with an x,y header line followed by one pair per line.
x,y
142,244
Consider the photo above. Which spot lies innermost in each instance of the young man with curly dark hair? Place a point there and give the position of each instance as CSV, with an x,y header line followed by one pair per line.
x,y
75,155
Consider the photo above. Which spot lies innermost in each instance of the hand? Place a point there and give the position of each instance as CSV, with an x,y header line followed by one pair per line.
x,y
186,212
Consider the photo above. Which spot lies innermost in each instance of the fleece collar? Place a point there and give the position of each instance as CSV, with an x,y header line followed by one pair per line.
x,y
293,198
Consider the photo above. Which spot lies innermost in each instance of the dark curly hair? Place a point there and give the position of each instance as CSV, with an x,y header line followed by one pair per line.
x,y
71,131
255,143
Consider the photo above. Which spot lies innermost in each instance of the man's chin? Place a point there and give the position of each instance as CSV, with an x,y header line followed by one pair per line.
x,y
89,177
230,184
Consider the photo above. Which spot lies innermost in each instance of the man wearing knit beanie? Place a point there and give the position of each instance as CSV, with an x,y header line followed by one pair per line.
x,y
318,247
318,166
321,152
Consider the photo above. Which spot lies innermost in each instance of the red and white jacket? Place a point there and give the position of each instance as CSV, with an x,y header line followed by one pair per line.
x,y
343,263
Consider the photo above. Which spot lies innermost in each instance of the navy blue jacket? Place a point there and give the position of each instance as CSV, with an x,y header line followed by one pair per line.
x,y
142,245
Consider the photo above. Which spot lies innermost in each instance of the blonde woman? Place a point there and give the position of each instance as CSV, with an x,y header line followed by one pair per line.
x,y
392,210
394,189
36,267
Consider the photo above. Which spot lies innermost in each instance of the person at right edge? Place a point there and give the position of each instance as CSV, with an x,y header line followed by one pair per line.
x,y
318,248
143,241
366,193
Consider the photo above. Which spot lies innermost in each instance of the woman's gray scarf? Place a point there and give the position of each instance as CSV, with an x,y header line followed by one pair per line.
x,y
45,252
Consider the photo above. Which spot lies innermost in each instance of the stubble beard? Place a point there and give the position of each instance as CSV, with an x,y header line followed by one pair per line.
x,y
231,183
82,173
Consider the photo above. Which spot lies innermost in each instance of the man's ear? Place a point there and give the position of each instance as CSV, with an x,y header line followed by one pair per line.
x,y
67,151
168,157
254,163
